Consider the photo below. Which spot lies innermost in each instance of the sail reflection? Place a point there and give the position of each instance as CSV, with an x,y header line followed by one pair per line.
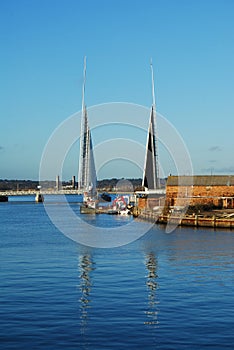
x,y
86,265
152,286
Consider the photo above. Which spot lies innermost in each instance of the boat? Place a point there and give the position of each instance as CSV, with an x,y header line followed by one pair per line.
x,y
89,204
88,207
39,198
85,209
120,206
106,197
3,198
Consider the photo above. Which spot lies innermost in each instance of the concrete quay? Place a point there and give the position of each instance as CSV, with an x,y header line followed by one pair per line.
x,y
213,221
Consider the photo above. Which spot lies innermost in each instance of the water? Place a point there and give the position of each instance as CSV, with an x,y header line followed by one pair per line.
x,y
163,291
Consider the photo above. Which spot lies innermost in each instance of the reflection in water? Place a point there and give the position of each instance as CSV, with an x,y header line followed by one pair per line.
x,y
85,267
152,311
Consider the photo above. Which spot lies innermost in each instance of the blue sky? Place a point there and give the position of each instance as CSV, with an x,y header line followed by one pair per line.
x,y
42,48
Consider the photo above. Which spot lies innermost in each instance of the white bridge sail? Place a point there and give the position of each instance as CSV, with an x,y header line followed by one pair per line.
x,y
150,178
87,178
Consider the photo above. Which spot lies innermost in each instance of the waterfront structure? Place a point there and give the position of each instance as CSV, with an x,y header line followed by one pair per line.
x,y
151,194
87,172
217,190
73,182
57,183
150,178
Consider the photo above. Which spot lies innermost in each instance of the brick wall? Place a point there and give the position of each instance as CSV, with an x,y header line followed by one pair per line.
x,y
181,195
150,203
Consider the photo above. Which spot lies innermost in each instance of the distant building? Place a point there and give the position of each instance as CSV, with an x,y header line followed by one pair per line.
x,y
73,182
217,190
57,183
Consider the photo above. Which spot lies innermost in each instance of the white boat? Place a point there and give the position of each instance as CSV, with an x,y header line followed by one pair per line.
x,y
120,206
85,209
89,204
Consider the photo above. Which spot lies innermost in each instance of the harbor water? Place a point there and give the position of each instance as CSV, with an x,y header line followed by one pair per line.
x,y
162,291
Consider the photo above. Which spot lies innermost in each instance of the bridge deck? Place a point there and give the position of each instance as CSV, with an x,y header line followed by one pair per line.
x,y
33,192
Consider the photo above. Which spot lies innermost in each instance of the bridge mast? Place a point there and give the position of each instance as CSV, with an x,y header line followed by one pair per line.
x,y
151,171
157,179
83,138
87,172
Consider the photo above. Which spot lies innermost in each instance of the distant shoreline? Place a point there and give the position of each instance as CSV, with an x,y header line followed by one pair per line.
x,y
32,185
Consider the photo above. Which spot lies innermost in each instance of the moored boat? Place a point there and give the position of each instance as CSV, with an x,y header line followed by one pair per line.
x,y
85,209
89,204
106,197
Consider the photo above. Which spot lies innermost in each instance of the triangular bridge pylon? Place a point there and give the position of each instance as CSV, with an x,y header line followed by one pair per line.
x,y
151,178
87,178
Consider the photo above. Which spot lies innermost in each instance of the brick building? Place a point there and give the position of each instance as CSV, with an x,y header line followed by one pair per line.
x,y
208,189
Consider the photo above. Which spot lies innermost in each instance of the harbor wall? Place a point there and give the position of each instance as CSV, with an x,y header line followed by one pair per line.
x,y
193,220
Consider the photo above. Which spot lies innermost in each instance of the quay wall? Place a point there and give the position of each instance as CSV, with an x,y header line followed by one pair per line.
x,y
187,220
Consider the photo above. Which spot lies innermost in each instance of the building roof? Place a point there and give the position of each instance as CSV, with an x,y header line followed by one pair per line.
x,y
201,180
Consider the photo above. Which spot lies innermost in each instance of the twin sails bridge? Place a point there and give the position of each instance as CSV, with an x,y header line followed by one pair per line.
x,y
87,177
